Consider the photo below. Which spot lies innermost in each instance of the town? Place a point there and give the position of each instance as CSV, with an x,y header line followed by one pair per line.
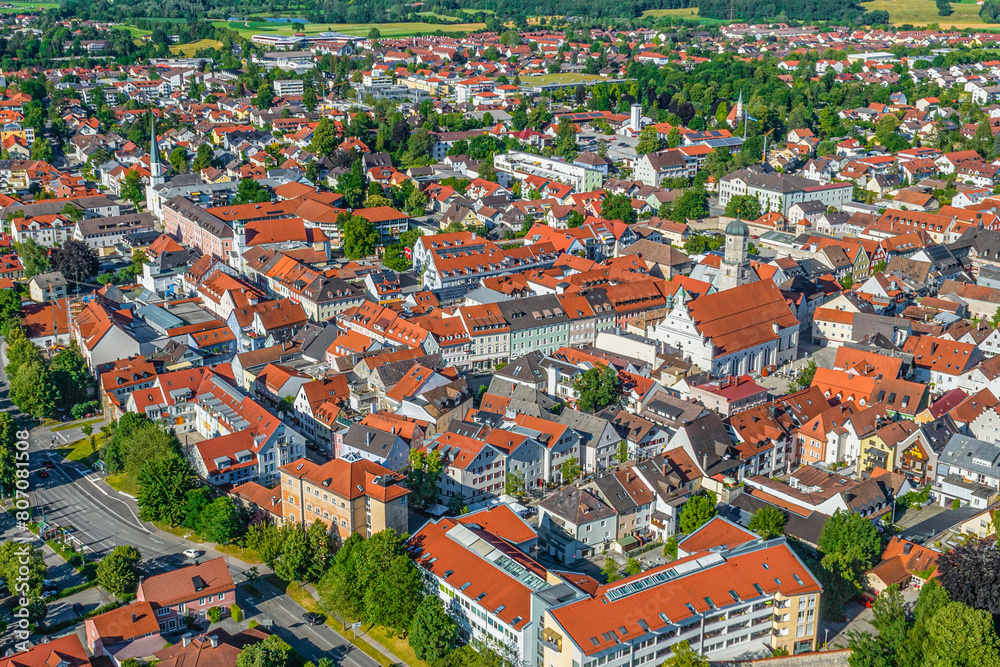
x,y
549,342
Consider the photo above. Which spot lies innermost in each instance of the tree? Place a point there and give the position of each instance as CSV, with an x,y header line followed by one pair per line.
x,y
632,566
77,261
597,388
768,522
31,390
422,479
649,141
321,549
14,556
847,281
325,136
203,158
41,150
393,599
971,574
265,539
131,189
806,375
570,470
265,96
685,656
610,570
621,454
250,191
178,159
960,636
272,652
360,236
221,521
850,544
618,207
294,561
164,482
70,376
746,207
433,634
575,219
8,457
692,205
697,511
340,593
309,99
118,572
514,483
34,257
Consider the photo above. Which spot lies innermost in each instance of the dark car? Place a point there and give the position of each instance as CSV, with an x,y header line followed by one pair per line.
x,y
78,609
43,473
48,465
312,619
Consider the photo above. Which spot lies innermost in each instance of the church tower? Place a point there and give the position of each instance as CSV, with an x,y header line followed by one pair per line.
x,y
157,174
735,269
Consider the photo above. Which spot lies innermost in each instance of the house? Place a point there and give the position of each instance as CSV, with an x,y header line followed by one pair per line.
x,y
47,287
904,564
575,524
382,447
188,591
130,631
349,494
216,648
968,470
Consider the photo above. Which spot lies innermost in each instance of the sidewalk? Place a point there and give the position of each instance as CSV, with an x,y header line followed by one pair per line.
x,y
364,635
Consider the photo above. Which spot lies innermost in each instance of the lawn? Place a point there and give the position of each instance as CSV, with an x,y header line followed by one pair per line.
x,y
561,77
251,28
924,12
123,482
683,13
26,6
188,50
81,452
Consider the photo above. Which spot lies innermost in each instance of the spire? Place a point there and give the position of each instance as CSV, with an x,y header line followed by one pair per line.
x,y
155,166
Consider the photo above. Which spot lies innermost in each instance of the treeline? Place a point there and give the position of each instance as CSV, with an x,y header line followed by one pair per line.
x,y
371,11
803,10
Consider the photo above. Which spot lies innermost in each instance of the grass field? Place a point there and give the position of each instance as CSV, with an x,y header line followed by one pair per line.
x,y
683,13
188,50
924,12
561,77
80,450
249,29
26,6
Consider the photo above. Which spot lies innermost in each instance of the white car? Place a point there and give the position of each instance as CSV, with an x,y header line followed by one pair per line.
x,y
191,553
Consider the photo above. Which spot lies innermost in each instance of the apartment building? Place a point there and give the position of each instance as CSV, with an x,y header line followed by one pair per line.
x,y
349,494
521,166
778,192
188,592
730,591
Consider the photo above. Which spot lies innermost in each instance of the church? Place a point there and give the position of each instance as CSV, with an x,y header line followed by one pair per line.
x,y
742,327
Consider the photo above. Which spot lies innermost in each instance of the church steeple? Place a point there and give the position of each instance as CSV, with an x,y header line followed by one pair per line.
x,y
735,268
156,172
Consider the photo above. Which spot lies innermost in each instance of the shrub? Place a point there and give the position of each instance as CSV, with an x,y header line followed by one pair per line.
x,y
236,612
215,614
253,623
956,503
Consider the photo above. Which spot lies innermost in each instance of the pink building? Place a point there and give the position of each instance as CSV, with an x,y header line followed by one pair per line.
x,y
188,591
196,227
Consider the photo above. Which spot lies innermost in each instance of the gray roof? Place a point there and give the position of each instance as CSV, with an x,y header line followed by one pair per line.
x,y
533,312
576,506
53,279
525,368
371,440
972,454
120,223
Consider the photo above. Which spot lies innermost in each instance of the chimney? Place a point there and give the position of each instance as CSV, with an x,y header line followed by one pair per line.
x,y
663,469
133,616
215,641
704,461
368,438
185,639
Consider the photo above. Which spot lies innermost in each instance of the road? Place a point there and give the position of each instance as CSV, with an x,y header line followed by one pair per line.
x,y
101,518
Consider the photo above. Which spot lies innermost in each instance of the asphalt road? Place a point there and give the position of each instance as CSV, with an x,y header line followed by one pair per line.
x,y
101,518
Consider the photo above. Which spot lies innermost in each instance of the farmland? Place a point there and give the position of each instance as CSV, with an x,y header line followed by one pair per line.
x,y
188,50
19,7
248,29
924,12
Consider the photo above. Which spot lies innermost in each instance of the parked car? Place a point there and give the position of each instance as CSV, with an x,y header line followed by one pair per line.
x,y
191,553
312,619
78,609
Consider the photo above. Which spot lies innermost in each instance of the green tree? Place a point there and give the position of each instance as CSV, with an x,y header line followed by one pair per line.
x,y
321,549
32,391
697,511
514,483
179,159
575,219
118,573
569,470
325,137
746,207
597,388
12,557
203,158
164,482
8,457
850,544
340,594
618,207
221,521
272,652
265,96
806,375
309,99
392,600
360,236
265,539
610,570
692,205
10,310
41,149
685,656
250,191
70,376
847,282
768,522
960,636
632,566
132,190
621,453
34,257
433,634
294,561
422,478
